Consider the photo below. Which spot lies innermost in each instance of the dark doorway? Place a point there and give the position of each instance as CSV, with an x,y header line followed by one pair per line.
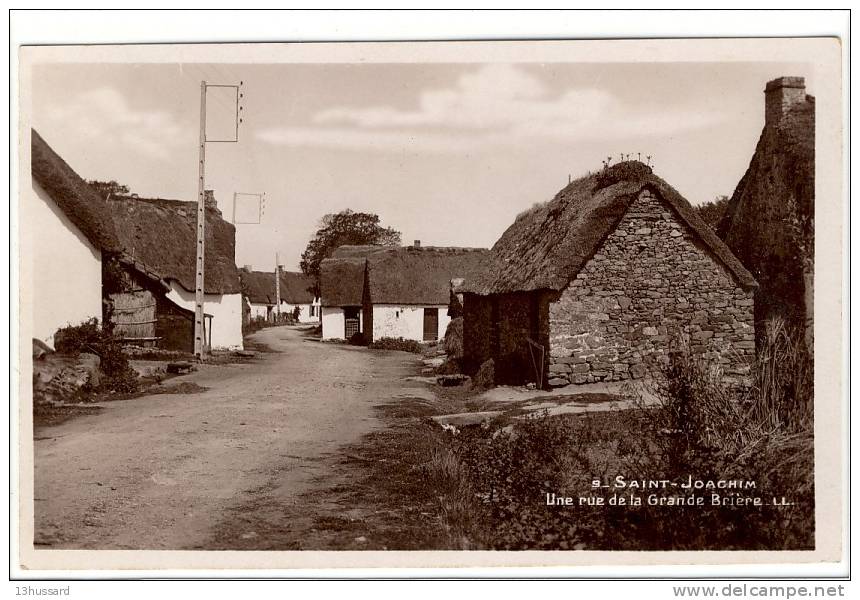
x,y
352,324
431,324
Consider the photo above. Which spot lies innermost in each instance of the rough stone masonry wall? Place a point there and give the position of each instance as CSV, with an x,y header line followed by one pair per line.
x,y
651,280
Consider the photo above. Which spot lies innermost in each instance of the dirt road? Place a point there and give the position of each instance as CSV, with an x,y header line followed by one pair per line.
x,y
169,471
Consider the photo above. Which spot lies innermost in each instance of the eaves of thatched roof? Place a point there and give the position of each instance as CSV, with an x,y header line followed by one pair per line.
x,y
547,245
75,198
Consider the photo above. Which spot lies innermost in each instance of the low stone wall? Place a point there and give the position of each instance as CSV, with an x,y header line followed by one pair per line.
x,y
651,283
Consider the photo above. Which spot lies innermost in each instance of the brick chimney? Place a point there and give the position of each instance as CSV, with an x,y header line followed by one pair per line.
x,y
416,244
780,95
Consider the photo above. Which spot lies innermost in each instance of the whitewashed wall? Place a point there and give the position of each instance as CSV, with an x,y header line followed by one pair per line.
x,y
333,322
405,321
61,271
305,314
259,310
226,311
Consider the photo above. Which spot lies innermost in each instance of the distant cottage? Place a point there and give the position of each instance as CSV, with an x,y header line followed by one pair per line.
x,y
597,283
296,293
407,290
770,220
392,291
153,301
342,290
67,237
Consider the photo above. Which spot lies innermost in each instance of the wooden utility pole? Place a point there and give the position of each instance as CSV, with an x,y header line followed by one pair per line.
x,y
199,315
277,288
200,279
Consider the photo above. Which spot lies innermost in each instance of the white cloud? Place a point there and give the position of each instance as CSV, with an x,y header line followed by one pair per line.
x,y
496,104
104,114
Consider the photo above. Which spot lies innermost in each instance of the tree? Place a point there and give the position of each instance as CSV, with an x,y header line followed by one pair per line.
x,y
712,212
345,227
105,189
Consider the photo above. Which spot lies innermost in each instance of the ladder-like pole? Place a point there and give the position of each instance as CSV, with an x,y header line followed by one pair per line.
x,y
277,288
199,340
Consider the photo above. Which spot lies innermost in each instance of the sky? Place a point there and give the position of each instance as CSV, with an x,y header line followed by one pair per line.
x,y
447,154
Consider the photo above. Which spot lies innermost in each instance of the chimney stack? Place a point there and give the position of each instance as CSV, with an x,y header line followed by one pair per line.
x,y
416,244
780,95
209,199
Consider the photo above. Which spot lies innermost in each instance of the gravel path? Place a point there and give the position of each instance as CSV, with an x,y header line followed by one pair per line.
x,y
166,471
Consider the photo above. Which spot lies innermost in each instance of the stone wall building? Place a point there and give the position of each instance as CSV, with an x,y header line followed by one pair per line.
x,y
604,280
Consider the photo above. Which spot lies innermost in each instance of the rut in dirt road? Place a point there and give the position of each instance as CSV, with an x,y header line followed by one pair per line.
x,y
162,471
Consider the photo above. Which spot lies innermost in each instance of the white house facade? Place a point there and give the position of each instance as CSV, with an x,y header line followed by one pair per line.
x,y
419,323
226,312
56,248
65,236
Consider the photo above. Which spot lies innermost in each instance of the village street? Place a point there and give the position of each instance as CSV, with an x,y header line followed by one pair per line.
x,y
169,471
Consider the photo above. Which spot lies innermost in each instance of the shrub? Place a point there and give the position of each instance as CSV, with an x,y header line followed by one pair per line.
x,y
90,337
399,343
451,366
486,376
357,339
705,429
700,427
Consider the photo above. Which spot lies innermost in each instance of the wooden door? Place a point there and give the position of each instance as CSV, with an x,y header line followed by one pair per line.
x,y
134,318
431,324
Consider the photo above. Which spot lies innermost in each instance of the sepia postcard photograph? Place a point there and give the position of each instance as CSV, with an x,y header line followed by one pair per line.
x,y
525,302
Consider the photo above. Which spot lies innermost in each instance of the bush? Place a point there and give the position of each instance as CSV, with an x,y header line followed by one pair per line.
x,y
700,427
399,343
90,337
485,378
357,339
513,470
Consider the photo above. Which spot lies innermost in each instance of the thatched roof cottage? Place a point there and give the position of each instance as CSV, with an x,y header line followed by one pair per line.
x,y
65,232
296,292
596,284
342,290
407,290
159,237
770,220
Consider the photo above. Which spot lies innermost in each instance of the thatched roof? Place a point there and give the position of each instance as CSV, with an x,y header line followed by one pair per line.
x,y
78,201
769,222
162,235
296,288
342,275
547,245
359,251
789,148
341,281
420,275
258,286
